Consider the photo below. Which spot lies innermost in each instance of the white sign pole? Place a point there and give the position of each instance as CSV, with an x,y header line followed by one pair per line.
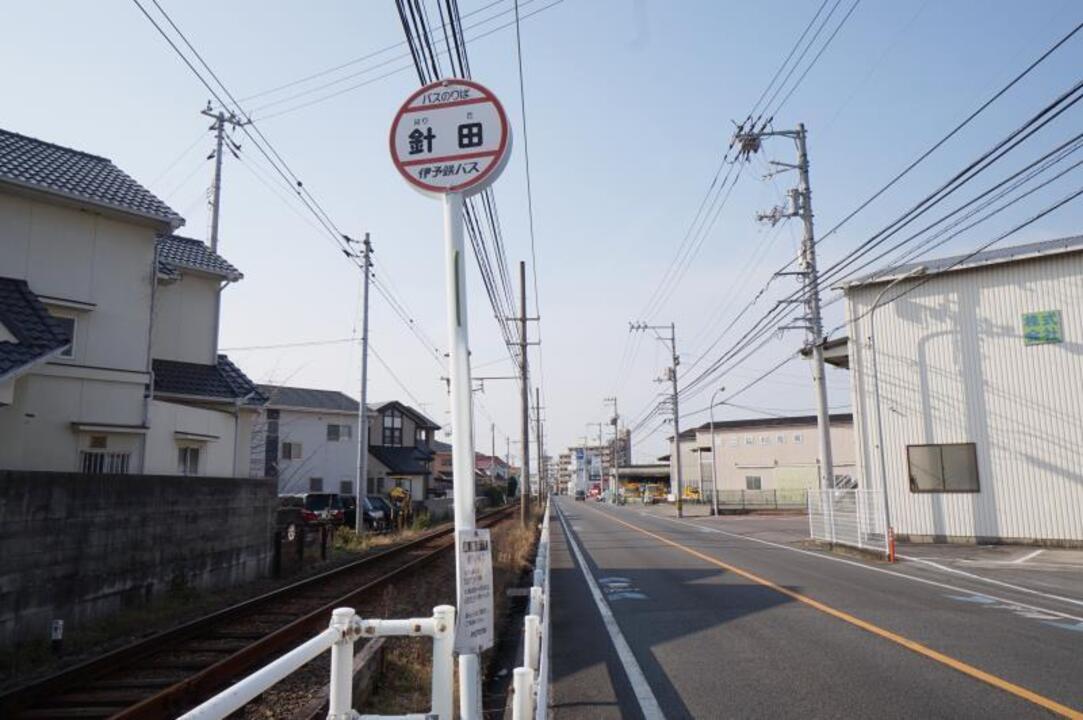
x,y
462,424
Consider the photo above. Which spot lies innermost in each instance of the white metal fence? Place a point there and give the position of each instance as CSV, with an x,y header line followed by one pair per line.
x,y
345,629
848,517
530,683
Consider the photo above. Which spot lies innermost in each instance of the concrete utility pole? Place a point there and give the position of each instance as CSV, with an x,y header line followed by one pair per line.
x,y
220,121
801,206
614,454
524,480
542,490
362,410
671,376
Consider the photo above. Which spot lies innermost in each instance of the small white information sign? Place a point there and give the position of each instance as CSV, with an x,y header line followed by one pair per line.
x,y
450,136
475,615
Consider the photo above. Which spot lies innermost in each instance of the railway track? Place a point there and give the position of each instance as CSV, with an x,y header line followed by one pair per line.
x,y
165,674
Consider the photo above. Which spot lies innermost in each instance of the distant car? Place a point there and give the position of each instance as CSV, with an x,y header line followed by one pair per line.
x,y
374,517
580,495
322,507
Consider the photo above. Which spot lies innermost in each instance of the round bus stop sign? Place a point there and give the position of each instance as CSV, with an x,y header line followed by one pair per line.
x,y
451,136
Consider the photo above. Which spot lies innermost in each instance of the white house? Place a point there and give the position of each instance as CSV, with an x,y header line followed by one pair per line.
x,y
979,364
87,312
307,439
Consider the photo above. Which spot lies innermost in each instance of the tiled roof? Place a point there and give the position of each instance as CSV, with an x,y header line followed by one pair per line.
x,y
42,166
401,460
418,417
176,252
38,334
283,395
222,380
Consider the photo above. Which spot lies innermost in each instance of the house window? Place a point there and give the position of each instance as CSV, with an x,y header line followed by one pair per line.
x,y
104,463
765,440
753,482
376,486
345,487
188,460
798,438
98,442
315,484
393,428
780,439
68,323
749,440
338,432
943,468
291,451
419,438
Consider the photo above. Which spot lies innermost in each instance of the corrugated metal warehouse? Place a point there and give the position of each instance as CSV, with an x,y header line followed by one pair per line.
x,y
980,372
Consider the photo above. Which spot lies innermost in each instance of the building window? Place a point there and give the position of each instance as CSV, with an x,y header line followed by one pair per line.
x,y
345,487
68,323
393,428
749,440
753,482
780,439
291,451
338,432
943,468
332,433
188,460
315,484
419,438
798,438
765,440
104,463
376,486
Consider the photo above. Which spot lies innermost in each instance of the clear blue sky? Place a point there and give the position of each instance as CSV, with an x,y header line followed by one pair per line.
x,y
630,103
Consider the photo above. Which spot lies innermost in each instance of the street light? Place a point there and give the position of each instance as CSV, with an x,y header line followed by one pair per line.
x,y
920,270
714,458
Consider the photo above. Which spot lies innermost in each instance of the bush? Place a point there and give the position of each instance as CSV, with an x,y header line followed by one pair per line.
x,y
495,495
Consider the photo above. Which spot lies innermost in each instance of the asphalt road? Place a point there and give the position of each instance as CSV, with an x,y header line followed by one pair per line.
x,y
721,624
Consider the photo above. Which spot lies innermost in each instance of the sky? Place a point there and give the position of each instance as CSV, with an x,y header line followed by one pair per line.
x,y
630,105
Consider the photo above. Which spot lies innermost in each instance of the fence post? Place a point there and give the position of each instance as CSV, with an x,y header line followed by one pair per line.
x,y
860,518
340,701
532,642
522,707
536,601
775,491
443,662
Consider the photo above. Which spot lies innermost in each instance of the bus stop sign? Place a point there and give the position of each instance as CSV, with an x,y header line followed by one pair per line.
x,y
451,136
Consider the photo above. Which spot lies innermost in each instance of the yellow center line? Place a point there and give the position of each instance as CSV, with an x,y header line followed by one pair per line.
x,y
959,665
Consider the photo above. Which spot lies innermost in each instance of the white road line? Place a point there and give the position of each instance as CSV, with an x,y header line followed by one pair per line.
x,y
1028,556
648,704
894,573
1001,583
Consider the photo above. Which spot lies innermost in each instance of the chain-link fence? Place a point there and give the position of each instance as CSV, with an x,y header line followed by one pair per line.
x,y
848,517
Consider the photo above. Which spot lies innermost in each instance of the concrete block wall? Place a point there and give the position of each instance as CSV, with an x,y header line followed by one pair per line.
x,y
81,547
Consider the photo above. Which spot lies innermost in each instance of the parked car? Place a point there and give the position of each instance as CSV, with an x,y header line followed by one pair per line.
x,y
375,518
580,495
322,507
383,506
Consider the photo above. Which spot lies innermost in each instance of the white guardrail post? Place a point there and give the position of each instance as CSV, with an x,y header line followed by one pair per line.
x,y
530,691
340,700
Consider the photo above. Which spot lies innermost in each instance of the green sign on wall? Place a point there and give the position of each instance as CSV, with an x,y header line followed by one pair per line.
x,y
1040,328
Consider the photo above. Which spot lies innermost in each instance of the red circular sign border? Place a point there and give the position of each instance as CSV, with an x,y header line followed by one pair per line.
x,y
497,159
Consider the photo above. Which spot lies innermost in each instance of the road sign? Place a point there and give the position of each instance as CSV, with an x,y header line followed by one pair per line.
x,y
451,136
475,613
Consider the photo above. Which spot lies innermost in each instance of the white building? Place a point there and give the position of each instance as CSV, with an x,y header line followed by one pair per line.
x,y
307,439
981,385
108,326
770,453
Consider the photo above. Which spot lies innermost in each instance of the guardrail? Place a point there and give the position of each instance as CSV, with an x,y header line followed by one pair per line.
x,y
530,683
345,629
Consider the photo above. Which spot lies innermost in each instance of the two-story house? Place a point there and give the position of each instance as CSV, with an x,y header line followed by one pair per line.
x,y
77,267
400,449
307,439
108,326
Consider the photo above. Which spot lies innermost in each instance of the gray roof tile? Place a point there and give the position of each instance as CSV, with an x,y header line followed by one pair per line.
x,y
38,333
32,163
222,380
286,396
176,252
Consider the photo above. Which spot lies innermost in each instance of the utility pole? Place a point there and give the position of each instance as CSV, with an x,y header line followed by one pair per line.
x,y
801,206
362,410
221,119
615,453
542,489
524,481
671,376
